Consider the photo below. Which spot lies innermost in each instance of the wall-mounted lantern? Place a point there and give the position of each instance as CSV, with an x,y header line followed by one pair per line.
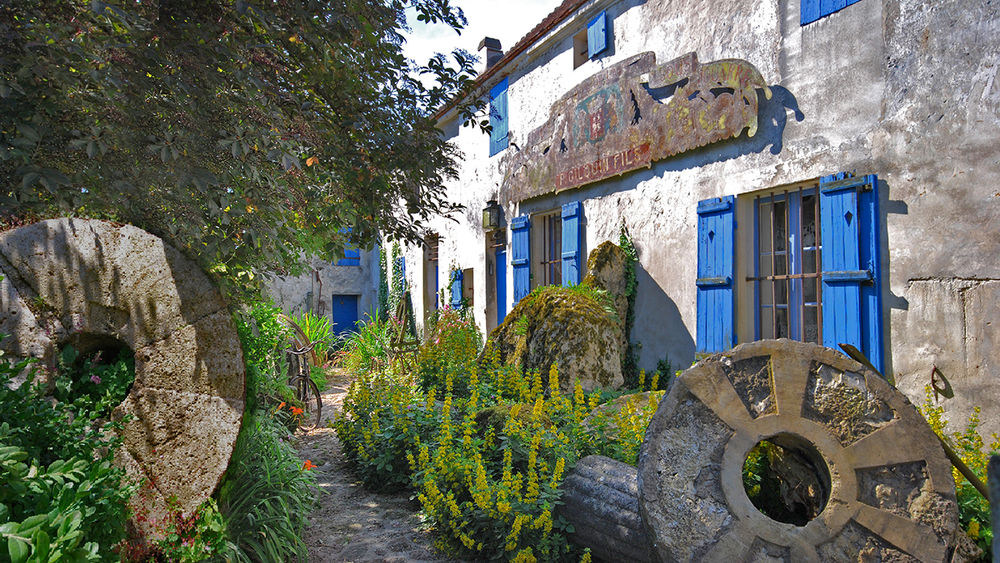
x,y
491,215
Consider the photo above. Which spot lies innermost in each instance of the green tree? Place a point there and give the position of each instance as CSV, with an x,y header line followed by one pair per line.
x,y
245,133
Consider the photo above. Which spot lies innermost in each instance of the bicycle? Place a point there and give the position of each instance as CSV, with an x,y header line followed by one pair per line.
x,y
305,389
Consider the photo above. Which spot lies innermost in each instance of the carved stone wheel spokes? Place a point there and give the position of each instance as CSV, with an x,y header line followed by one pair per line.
x,y
890,492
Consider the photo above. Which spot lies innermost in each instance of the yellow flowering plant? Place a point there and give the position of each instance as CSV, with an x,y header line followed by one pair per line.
x,y
486,447
973,509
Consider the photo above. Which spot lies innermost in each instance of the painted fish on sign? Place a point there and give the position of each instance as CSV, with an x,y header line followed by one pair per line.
x,y
630,115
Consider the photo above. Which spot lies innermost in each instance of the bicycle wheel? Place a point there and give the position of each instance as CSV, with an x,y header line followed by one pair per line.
x,y
307,392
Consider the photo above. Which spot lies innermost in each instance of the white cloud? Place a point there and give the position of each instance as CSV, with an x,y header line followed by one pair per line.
x,y
507,21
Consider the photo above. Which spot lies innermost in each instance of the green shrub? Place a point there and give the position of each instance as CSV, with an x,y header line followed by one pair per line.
x,y
486,447
61,499
367,347
89,384
973,509
266,493
265,496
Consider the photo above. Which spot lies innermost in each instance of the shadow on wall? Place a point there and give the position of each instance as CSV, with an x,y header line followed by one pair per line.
x,y
772,116
659,327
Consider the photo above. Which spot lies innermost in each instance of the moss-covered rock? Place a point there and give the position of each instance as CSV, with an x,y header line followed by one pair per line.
x,y
581,328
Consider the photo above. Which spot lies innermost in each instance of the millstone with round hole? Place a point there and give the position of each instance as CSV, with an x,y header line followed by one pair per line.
x,y
888,488
90,282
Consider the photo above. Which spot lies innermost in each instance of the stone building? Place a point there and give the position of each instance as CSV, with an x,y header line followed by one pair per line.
x,y
786,168
345,290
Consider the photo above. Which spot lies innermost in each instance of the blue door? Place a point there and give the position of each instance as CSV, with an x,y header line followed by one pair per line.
x,y
345,313
501,284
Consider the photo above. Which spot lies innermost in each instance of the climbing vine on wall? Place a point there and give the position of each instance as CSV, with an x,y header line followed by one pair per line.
x,y
630,368
383,283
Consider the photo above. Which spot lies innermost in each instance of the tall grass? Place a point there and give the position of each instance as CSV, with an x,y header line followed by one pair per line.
x,y
368,347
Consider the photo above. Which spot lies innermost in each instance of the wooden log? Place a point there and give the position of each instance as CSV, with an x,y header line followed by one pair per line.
x,y
601,501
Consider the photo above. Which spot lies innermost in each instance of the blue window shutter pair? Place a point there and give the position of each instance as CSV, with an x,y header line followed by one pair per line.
x,y
520,246
456,288
852,277
571,213
851,268
352,256
498,118
597,35
812,10
716,319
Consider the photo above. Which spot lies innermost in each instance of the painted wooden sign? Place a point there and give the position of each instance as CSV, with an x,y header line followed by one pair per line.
x,y
630,115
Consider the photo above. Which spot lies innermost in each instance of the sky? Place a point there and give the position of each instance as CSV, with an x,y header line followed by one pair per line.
x,y
507,21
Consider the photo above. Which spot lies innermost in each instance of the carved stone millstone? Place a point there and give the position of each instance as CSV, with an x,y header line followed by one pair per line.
x,y
85,282
891,496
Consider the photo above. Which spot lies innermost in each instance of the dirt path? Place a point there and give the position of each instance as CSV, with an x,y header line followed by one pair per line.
x,y
351,523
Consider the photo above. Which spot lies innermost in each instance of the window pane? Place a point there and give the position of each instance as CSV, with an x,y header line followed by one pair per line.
x,y
764,228
765,292
808,261
782,319
766,324
780,233
809,220
780,267
810,326
809,290
781,291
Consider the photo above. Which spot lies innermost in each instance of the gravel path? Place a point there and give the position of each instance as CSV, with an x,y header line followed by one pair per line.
x,y
352,523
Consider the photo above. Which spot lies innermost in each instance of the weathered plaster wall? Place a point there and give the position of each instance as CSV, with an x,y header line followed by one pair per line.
x,y
314,290
901,88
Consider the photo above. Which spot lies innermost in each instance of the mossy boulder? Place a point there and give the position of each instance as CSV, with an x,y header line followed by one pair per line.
x,y
606,268
581,329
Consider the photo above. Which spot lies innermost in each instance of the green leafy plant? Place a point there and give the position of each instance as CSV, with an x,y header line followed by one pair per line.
x,y
265,496
973,509
89,383
630,366
61,499
485,446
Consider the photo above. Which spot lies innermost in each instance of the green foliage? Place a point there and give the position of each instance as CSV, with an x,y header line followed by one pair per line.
x,y
61,499
266,493
973,509
453,344
317,330
89,384
383,283
263,337
630,367
247,134
367,347
485,446
265,496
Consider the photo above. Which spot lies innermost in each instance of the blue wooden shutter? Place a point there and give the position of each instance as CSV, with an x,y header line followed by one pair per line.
x,y
571,213
716,328
352,256
597,35
456,288
520,247
498,117
812,10
852,293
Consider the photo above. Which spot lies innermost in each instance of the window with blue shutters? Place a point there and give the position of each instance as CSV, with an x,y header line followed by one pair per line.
x,y
597,35
814,269
456,289
498,118
812,10
520,249
716,318
570,247
592,41
352,256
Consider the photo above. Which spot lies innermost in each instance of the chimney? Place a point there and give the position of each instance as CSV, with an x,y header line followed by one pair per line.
x,y
493,51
